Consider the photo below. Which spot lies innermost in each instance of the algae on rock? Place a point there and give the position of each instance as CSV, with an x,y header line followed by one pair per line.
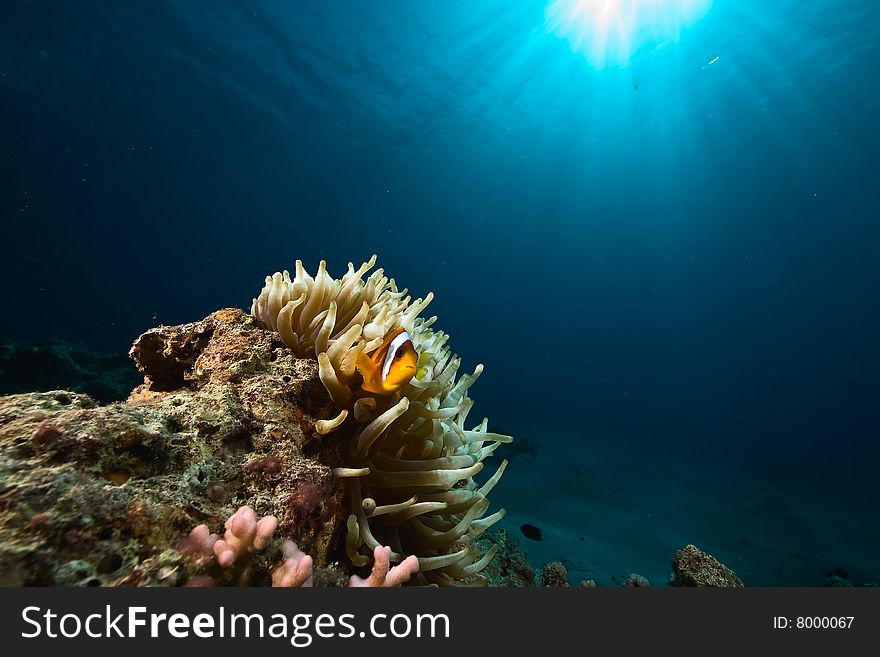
x,y
103,495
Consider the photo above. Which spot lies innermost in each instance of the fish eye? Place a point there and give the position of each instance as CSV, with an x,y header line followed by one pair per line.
x,y
398,354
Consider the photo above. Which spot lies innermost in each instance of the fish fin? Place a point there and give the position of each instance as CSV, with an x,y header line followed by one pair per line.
x,y
364,365
367,369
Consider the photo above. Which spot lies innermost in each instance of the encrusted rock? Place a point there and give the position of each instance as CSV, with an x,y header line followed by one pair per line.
x,y
636,581
509,566
45,365
554,574
102,495
693,567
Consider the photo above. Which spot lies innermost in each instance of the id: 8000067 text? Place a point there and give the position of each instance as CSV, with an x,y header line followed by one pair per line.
x,y
813,622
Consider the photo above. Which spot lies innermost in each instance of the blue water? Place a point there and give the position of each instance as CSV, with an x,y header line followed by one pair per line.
x,y
677,254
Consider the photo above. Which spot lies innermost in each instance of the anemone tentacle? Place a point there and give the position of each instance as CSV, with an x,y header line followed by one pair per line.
x,y
409,450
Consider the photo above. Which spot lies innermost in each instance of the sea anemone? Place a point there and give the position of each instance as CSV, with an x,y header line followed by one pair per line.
x,y
411,461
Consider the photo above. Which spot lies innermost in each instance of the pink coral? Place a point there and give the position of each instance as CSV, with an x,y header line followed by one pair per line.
x,y
385,576
199,543
243,533
296,569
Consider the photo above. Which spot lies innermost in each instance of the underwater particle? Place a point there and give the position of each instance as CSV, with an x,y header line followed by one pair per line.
x,y
636,86
554,574
531,532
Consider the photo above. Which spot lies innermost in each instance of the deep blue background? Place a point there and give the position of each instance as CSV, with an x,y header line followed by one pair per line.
x,y
678,254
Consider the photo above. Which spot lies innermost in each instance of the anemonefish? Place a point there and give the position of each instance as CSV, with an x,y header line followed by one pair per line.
x,y
391,366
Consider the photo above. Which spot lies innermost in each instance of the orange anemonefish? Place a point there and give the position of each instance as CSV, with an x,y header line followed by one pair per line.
x,y
391,366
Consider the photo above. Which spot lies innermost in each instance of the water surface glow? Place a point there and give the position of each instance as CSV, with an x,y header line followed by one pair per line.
x,y
610,32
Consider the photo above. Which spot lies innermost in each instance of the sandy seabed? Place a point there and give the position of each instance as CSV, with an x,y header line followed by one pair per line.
x,y
605,512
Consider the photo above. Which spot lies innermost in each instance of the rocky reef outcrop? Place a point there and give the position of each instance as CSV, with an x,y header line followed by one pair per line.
x,y
56,364
694,567
95,494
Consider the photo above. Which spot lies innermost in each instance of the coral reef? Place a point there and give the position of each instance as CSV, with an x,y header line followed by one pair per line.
x,y
54,364
635,581
296,569
837,577
383,575
693,567
246,535
509,567
410,461
554,574
226,417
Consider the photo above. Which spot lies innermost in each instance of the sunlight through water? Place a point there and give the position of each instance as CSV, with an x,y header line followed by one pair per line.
x,y
609,32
